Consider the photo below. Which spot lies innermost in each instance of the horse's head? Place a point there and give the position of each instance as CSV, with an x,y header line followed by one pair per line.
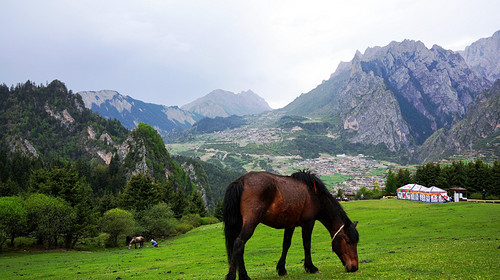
x,y
345,245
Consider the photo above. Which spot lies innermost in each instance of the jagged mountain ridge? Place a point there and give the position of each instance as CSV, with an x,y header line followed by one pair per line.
x,y
221,103
483,56
130,112
397,95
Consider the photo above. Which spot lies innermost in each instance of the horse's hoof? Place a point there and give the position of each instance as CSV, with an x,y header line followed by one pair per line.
x,y
317,272
312,269
283,273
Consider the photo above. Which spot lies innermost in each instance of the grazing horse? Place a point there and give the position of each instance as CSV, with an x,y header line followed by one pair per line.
x,y
285,202
135,240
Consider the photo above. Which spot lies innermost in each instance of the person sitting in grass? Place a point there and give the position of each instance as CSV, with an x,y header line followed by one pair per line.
x,y
154,243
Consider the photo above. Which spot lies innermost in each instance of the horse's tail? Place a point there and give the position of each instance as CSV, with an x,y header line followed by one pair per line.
x,y
232,214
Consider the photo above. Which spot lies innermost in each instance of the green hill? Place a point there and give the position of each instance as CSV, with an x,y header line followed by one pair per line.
x,y
398,240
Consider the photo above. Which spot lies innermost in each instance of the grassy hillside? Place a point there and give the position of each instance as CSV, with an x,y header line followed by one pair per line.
x,y
400,239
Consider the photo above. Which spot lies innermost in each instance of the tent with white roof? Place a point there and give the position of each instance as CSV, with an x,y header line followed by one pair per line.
x,y
404,192
437,195
418,192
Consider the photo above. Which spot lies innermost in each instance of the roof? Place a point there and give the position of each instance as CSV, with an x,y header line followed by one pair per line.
x,y
406,187
458,189
436,190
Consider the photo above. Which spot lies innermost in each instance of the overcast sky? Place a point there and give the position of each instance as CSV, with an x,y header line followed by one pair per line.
x,y
172,52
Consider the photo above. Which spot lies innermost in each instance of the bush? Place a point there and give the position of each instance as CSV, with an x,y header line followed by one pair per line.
x,y
14,218
50,217
476,195
116,222
209,220
183,228
157,221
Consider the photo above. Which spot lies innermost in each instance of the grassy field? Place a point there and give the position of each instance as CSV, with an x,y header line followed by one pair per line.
x,y
399,240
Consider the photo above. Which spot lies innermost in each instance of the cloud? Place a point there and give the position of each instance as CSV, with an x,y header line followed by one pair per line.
x,y
172,52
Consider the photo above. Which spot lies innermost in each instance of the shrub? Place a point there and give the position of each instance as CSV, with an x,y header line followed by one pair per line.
x,y
115,222
158,221
209,220
14,218
192,219
476,195
50,217
183,228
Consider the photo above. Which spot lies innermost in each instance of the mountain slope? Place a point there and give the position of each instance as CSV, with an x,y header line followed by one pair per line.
x,y
481,127
130,112
397,95
53,124
220,103
483,56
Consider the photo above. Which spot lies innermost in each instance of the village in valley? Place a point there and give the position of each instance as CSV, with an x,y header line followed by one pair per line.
x,y
341,171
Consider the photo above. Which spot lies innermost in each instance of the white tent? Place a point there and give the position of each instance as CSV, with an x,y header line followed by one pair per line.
x,y
404,192
418,192
437,195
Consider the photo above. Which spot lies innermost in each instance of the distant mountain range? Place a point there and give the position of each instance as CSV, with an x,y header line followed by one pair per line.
x,y
396,97
130,112
169,120
221,103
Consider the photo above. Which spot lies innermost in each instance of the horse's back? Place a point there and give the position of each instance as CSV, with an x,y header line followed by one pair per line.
x,y
275,200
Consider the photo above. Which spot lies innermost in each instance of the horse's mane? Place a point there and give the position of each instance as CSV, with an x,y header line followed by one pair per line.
x,y
318,187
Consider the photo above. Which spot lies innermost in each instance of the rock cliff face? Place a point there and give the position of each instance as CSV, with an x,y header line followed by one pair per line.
x,y
130,112
481,124
483,57
221,103
398,95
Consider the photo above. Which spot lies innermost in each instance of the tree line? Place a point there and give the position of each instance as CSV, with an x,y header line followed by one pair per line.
x,y
60,203
473,176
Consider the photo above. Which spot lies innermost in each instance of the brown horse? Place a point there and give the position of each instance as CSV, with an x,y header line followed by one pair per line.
x,y
135,240
285,202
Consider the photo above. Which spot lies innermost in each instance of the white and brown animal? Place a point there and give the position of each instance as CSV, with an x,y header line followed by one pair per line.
x,y
135,240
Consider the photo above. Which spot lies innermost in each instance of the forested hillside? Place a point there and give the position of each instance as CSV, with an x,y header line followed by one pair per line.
x,y
51,123
63,169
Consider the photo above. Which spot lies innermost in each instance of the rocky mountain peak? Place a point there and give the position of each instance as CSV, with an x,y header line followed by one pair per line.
x,y
483,56
221,103
398,95
111,97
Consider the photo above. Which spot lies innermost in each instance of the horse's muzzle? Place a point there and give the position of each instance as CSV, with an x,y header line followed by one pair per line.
x,y
351,268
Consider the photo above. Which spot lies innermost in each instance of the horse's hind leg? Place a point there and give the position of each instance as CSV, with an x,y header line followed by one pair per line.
x,y
237,261
287,240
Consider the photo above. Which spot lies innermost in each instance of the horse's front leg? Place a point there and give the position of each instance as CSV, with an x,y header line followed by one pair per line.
x,y
306,240
287,240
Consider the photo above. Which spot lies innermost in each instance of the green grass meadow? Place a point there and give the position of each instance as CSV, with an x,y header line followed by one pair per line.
x,y
398,239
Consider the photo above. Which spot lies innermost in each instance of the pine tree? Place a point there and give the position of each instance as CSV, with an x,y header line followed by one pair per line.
x,y
140,193
196,204
390,183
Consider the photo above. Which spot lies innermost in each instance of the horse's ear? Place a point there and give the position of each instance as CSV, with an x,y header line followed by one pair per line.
x,y
355,224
